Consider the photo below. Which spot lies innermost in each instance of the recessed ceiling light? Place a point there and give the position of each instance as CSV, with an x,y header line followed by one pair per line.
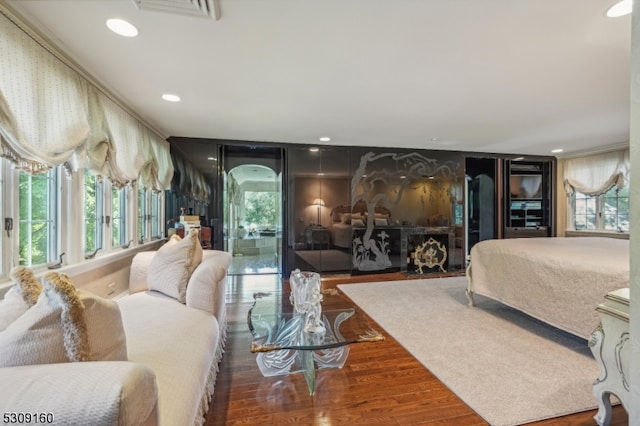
x,y
555,151
122,27
621,8
171,98
435,139
324,139
314,149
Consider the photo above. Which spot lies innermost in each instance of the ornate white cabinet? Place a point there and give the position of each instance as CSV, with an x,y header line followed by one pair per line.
x,y
612,350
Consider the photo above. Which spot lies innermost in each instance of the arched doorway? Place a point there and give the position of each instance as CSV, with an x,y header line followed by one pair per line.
x,y
252,211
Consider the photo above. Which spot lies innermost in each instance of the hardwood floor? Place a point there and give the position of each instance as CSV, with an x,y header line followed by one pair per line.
x,y
381,383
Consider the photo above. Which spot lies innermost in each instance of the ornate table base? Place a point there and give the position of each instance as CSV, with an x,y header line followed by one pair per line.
x,y
612,350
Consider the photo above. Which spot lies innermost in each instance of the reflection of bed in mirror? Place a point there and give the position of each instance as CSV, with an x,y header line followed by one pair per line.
x,y
345,218
392,245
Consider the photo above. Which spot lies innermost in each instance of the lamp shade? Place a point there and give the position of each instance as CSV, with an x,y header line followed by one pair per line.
x,y
318,202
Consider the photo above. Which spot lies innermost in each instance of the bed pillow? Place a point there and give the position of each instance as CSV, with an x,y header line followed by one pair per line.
x,y
357,222
173,264
20,297
64,325
381,221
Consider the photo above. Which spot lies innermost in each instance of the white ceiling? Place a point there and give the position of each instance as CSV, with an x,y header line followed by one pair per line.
x,y
500,76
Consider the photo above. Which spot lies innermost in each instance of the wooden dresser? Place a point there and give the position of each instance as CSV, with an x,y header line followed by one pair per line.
x,y
611,348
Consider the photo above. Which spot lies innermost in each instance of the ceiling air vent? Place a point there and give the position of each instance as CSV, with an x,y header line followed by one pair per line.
x,y
202,8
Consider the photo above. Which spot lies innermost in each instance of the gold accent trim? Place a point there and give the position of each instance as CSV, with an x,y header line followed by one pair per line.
x,y
371,336
266,348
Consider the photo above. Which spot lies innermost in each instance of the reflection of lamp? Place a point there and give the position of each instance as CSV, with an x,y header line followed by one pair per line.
x,y
318,202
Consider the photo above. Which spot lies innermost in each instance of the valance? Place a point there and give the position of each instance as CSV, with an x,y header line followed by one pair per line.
x,y
596,174
51,115
157,172
130,147
43,103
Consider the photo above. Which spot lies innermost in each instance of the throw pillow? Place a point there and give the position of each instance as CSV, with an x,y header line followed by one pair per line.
x,y
64,325
357,222
20,297
173,264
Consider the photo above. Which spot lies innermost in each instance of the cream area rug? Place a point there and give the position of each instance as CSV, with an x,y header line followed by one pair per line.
x,y
509,368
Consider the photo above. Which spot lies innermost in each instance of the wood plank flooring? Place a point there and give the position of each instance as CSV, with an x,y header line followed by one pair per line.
x,y
381,383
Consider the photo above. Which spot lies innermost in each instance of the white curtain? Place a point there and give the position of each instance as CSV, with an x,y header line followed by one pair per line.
x,y
157,172
43,103
129,148
596,174
51,115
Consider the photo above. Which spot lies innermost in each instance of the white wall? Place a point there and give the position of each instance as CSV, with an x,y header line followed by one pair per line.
x,y
634,233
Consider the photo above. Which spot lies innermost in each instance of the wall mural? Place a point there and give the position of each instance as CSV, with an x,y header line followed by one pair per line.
x,y
381,179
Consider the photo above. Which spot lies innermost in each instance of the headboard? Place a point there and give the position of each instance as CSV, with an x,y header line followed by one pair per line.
x,y
358,207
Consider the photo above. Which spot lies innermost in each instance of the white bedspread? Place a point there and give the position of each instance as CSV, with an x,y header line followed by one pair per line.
x,y
559,281
341,234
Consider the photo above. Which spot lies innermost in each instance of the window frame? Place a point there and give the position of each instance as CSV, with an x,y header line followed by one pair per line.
x,y
599,213
99,213
52,217
142,215
121,239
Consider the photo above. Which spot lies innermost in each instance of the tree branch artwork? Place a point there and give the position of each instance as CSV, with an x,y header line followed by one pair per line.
x,y
380,180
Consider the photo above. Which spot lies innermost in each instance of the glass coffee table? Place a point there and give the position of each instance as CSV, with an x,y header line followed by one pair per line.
x,y
283,347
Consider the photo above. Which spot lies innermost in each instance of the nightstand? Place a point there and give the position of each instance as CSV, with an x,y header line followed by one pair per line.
x,y
317,235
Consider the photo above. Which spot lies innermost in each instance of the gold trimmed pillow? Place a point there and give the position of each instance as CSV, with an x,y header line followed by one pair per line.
x,y
173,264
20,297
64,325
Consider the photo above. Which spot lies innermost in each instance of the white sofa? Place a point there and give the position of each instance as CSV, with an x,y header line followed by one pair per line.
x,y
173,352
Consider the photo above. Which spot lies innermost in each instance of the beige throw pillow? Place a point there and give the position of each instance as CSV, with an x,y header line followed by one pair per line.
x,y
173,264
20,297
64,325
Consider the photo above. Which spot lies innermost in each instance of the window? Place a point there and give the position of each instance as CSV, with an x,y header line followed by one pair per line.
x,y
607,212
143,215
156,229
118,216
615,210
93,212
38,200
260,208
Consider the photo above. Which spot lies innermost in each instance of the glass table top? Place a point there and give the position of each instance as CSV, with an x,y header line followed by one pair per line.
x,y
275,325
283,346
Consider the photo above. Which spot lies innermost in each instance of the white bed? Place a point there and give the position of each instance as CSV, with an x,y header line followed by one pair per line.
x,y
559,281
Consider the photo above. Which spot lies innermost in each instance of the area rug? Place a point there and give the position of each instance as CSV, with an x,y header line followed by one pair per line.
x,y
326,260
509,368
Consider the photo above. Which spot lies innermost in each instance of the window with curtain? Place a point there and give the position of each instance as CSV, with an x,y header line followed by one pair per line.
x,y
93,212
606,212
118,216
38,219
598,191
